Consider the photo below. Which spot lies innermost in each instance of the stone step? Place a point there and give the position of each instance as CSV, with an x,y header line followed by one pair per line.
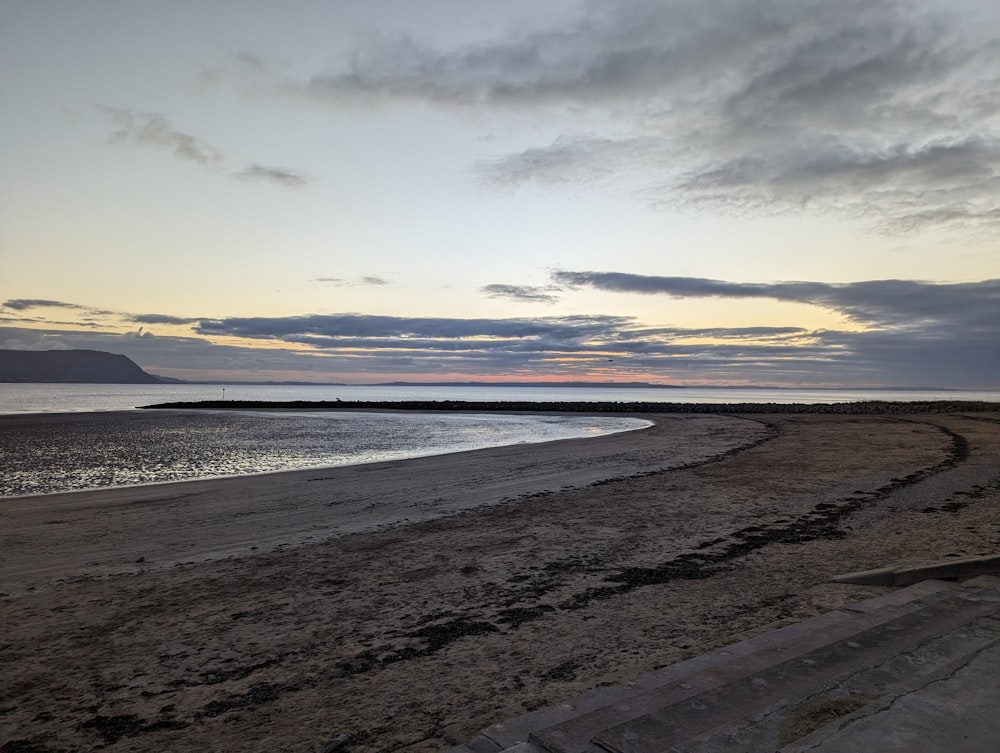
x,y
902,575
691,678
991,582
668,720
868,689
577,726
939,699
511,732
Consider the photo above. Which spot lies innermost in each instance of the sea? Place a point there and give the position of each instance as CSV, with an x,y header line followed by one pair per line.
x,y
58,398
88,445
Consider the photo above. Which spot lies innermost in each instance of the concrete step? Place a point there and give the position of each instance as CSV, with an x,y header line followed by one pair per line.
x,y
509,733
669,726
950,707
691,678
690,698
905,575
988,582
794,722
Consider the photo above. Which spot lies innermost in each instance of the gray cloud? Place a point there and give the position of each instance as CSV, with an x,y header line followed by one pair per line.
x,y
330,328
365,280
155,130
879,109
23,304
280,175
251,61
161,319
521,293
88,316
947,356
561,346
150,129
883,303
921,334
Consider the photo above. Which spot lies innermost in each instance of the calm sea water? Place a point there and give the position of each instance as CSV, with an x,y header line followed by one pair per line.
x,y
93,447
103,449
50,398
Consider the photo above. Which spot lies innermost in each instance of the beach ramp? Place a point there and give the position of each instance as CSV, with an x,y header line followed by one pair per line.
x,y
911,670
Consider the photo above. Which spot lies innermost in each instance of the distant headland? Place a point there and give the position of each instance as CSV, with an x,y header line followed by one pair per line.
x,y
72,367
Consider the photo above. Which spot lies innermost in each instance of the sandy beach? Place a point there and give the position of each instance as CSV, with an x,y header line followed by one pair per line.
x,y
408,604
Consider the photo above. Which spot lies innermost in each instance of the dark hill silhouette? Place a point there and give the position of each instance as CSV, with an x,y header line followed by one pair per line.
x,y
68,366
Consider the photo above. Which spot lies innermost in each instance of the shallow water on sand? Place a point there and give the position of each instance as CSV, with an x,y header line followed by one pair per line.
x,y
45,454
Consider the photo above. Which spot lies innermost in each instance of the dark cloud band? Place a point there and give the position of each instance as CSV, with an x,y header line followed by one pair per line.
x,y
883,303
23,304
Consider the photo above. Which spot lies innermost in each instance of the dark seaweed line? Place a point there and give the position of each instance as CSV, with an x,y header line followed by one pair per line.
x,y
772,433
821,522
987,419
862,407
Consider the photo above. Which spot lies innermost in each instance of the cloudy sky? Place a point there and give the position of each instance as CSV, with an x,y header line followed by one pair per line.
x,y
781,192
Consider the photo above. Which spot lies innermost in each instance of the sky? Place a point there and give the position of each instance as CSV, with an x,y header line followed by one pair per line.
x,y
800,193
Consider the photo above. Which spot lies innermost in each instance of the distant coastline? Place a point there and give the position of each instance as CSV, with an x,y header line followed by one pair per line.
x,y
552,383
19,398
867,407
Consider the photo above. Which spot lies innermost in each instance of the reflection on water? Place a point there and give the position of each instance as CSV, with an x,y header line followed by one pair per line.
x,y
83,451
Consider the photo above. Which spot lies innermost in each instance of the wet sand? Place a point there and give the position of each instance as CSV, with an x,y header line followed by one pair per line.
x,y
408,604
